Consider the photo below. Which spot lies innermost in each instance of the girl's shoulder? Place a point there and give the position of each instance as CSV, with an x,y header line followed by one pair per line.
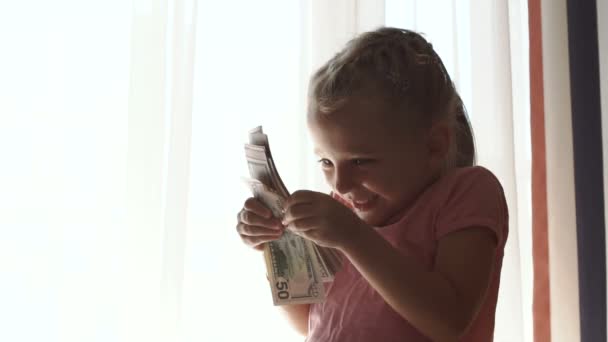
x,y
471,196
473,178
470,171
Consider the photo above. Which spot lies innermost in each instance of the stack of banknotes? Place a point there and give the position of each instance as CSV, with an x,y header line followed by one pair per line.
x,y
296,267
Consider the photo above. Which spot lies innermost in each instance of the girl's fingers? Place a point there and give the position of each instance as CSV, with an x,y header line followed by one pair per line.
x,y
253,219
259,247
303,225
256,225
301,196
254,205
298,212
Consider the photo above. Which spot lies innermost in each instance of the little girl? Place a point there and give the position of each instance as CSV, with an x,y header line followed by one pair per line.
x,y
421,229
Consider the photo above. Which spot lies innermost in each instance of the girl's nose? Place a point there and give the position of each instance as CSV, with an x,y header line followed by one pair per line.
x,y
343,180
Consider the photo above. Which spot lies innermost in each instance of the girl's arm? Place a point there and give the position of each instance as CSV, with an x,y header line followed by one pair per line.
x,y
441,303
297,315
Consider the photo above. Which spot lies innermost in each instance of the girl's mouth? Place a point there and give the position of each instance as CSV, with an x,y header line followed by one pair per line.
x,y
364,205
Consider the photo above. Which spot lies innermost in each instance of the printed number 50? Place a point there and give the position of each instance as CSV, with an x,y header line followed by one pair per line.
x,y
283,287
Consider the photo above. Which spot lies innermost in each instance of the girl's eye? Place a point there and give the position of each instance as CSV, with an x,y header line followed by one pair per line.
x,y
357,162
325,162
360,161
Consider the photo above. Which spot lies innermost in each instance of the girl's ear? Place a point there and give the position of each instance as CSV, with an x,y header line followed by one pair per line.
x,y
440,137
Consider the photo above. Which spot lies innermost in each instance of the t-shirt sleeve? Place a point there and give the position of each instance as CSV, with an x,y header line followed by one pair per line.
x,y
475,198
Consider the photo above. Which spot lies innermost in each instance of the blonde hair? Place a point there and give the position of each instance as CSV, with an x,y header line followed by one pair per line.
x,y
401,68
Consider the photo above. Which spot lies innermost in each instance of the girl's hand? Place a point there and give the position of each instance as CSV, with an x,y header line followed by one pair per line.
x,y
256,225
322,219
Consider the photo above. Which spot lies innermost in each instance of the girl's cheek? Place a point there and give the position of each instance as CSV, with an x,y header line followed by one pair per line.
x,y
328,176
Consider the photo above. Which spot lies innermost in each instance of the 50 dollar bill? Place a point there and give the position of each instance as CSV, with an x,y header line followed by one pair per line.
x,y
294,274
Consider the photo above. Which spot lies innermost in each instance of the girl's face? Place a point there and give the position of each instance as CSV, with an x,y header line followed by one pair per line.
x,y
373,160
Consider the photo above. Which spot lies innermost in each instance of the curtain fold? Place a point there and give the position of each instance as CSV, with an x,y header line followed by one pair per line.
x,y
160,112
541,291
492,118
561,215
178,152
145,166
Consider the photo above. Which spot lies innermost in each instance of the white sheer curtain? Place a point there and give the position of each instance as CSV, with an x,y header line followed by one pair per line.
x,y
94,137
121,131
247,73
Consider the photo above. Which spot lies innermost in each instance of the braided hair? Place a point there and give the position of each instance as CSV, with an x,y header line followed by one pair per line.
x,y
403,69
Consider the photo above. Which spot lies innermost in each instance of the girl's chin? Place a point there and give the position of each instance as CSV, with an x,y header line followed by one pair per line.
x,y
372,219
379,217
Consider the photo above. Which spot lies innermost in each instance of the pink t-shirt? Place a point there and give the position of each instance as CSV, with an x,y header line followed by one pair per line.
x,y
354,311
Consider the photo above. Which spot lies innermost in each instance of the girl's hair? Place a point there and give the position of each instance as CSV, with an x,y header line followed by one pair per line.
x,y
401,68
